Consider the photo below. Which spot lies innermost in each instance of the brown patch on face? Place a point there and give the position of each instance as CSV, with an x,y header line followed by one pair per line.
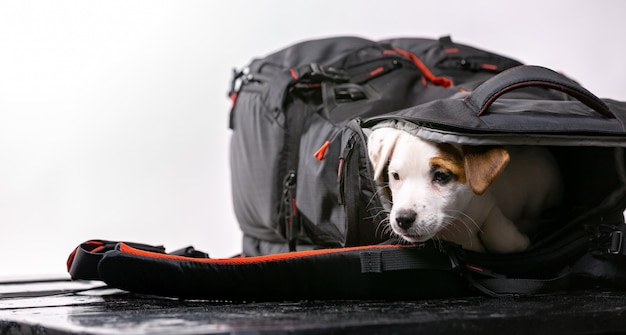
x,y
450,159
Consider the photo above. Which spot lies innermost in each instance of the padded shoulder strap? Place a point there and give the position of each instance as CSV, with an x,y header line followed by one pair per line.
x,y
83,261
372,272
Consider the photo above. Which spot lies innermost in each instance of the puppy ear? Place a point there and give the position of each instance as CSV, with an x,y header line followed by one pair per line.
x,y
380,146
482,165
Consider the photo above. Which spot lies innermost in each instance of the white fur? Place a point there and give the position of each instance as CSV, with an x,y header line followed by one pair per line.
x,y
494,221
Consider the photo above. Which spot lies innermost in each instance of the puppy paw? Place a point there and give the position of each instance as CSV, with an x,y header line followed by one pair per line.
x,y
500,235
522,243
513,241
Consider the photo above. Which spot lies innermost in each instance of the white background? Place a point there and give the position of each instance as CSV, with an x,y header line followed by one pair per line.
x,y
113,114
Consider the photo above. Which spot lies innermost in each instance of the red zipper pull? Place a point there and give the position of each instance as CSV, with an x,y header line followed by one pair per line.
x,y
321,152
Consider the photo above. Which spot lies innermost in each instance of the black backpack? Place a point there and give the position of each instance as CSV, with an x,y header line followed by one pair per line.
x,y
302,180
299,170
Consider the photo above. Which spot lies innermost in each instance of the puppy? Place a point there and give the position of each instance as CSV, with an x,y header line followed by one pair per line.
x,y
464,194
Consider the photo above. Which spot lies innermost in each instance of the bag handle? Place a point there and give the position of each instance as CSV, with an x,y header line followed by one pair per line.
x,y
530,75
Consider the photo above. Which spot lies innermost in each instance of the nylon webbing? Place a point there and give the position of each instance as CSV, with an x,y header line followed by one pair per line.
x,y
501,287
376,261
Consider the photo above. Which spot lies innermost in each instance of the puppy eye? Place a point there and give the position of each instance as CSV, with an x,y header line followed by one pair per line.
x,y
395,175
442,177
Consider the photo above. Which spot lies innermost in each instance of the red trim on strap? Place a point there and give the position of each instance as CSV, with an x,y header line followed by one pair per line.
x,y
474,268
125,248
233,98
389,52
97,249
491,67
340,166
451,51
293,73
376,71
440,81
91,246
294,207
70,259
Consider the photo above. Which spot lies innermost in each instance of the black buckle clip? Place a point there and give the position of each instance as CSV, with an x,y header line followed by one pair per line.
x,y
316,73
606,240
235,82
240,78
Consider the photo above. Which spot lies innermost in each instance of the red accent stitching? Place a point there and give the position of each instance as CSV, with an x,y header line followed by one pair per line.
x,y
451,50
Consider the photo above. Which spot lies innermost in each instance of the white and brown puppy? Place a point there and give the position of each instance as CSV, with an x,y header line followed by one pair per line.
x,y
464,194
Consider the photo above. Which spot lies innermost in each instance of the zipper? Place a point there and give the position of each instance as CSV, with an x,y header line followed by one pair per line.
x,y
352,183
292,227
342,169
357,126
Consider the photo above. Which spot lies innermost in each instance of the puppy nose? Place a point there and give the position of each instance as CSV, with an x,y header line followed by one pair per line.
x,y
405,218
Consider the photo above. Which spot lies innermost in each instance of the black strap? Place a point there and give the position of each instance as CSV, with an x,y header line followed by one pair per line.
x,y
382,260
524,76
430,258
502,287
315,73
83,261
363,74
349,175
297,116
83,264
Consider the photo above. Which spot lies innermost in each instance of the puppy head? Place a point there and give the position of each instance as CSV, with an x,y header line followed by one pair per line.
x,y
429,184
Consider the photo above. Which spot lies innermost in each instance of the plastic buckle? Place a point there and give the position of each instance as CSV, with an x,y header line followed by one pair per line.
x,y
616,243
606,240
315,72
240,78
349,94
235,82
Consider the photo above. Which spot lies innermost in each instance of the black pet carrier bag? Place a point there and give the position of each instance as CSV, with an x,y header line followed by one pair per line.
x,y
309,207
